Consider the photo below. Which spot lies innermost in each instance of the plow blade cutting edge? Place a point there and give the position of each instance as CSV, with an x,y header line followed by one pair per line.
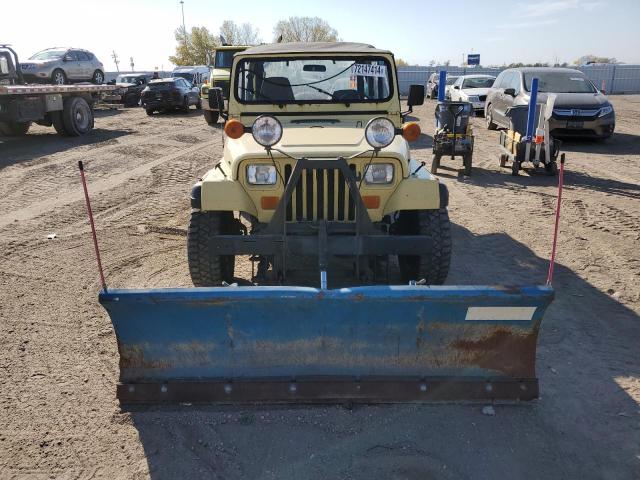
x,y
304,345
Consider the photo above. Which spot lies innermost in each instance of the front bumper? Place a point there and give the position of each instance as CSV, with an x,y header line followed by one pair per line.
x,y
600,127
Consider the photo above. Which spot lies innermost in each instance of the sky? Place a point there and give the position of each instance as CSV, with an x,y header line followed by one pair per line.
x,y
501,31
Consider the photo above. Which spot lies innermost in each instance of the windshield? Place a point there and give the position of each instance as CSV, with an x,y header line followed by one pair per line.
x,y
559,82
478,82
127,79
48,55
188,76
224,58
313,80
450,80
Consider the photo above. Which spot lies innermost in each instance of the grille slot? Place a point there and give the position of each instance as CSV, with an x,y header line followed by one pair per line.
x,y
320,194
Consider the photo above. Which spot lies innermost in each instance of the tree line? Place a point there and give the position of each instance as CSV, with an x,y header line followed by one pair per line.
x,y
194,47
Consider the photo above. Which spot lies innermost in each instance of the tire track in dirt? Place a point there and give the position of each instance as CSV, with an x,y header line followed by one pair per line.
x,y
67,197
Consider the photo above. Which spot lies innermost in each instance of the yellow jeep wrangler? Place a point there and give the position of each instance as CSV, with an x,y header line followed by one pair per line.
x,y
220,74
316,163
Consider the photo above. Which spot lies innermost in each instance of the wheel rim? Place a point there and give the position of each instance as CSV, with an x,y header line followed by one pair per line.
x,y
82,116
99,77
488,115
58,78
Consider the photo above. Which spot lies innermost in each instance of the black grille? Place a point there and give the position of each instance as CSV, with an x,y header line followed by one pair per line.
x,y
482,98
328,187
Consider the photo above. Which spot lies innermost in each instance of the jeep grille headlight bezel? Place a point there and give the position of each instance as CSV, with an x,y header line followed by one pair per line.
x,y
379,174
261,174
380,132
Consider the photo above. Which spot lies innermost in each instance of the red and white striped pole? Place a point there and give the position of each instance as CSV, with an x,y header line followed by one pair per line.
x,y
93,227
557,222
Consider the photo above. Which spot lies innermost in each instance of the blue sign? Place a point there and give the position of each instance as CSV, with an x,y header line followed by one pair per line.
x,y
473,59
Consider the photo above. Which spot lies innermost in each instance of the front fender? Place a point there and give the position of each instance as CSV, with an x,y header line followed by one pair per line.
x,y
222,194
421,191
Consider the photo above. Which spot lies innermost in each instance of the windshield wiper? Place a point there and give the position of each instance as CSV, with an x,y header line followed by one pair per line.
x,y
318,89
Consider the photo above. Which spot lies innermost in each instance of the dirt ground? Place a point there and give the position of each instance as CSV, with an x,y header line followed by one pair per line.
x,y
58,359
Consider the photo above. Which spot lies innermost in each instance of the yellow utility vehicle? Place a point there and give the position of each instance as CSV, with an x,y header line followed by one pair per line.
x,y
317,163
220,74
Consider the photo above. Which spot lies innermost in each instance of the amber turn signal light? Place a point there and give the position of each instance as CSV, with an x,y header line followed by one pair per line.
x,y
269,203
234,129
371,201
411,131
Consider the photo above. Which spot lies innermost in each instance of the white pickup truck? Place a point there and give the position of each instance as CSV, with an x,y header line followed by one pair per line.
x,y
68,108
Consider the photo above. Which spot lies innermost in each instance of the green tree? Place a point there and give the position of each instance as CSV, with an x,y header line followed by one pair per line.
x,y
304,29
193,48
234,34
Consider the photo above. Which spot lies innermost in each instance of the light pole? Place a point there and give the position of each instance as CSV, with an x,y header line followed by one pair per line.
x,y
184,29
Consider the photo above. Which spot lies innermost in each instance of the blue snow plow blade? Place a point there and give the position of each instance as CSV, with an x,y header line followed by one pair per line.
x,y
304,345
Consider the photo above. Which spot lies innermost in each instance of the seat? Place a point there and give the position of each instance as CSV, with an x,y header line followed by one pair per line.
x,y
276,89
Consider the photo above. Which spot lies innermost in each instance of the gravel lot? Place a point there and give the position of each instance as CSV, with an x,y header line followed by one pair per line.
x,y
58,358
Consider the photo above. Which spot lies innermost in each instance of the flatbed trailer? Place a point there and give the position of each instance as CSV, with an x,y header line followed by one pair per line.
x,y
68,108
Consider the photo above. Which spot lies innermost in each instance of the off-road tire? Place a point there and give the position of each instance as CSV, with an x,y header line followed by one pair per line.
x,y
207,269
14,129
98,77
488,117
211,116
435,164
77,116
58,77
433,264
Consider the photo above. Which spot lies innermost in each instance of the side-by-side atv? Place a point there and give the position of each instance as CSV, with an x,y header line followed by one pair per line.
x,y
317,165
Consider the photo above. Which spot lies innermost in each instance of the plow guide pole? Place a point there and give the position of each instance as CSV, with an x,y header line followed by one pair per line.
x,y
103,283
557,222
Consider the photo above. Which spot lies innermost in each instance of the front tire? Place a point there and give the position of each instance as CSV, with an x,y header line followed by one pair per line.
x,y
211,116
488,116
185,105
150,111
58,77
207,269
432,265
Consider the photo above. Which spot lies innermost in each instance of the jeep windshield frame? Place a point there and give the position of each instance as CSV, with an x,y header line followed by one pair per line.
x,y
374,87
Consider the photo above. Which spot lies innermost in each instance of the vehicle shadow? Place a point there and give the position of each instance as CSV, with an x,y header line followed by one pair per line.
x,y
22,149
618,144
178,113
572,179
587,347
423,142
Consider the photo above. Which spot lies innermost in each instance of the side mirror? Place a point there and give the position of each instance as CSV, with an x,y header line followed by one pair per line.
x,y
510,91
416,95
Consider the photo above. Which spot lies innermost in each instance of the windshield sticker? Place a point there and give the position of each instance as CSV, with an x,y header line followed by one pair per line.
x,y
367,70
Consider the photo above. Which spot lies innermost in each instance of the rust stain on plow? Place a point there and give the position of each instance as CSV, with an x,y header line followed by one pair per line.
x,y
181,354
503,350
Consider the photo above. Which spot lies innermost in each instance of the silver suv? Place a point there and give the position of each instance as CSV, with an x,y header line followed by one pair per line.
x,y
63,65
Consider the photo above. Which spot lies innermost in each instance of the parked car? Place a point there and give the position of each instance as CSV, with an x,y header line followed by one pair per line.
x,y
580,108
447,89
169,94
129,88
434,80
473,89
63,65
196,75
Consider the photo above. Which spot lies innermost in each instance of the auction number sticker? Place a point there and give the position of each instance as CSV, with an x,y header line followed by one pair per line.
x,y
368,70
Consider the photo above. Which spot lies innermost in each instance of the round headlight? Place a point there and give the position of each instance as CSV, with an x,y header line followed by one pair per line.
x,y
266,130
379,132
